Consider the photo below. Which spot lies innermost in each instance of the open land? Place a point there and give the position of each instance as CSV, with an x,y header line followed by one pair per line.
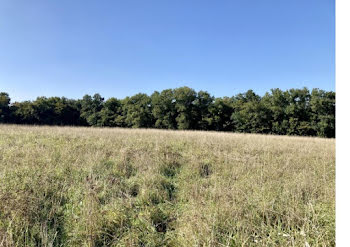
x,y
76,186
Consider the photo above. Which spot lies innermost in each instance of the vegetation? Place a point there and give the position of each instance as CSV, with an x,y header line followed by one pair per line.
x,y
78,186
291,112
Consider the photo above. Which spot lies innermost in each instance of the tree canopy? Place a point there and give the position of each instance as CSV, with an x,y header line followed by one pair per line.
x,y
290,112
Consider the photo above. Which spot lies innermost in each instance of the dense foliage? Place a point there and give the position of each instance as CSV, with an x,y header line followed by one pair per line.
x,y
290,112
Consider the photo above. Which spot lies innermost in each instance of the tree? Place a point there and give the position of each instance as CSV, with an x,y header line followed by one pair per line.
x,y
299,112
163,109
276,103
138,111
90,109
4,107
323,112
250,115
45,110
68,112
184,105
202,105
291,112
24,113
220,114
111,113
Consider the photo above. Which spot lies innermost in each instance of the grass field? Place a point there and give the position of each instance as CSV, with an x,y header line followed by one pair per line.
x,y
65,186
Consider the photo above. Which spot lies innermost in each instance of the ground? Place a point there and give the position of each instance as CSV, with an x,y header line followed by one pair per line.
x,y
70,186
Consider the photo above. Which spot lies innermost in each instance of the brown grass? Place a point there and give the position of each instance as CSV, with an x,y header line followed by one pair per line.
x,y
65,186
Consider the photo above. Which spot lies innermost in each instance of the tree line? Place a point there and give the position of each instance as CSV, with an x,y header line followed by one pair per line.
x,y
289,112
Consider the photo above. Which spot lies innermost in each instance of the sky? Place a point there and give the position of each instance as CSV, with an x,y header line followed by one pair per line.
x,y
120,48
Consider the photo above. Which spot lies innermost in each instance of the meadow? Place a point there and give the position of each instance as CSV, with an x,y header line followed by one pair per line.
x,y
81,186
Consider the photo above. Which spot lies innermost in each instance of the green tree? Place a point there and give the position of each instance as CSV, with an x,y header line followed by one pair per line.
x,y
202,105
220,114
111,113
163,109
4,107
292,112
67,112
276,103
45,110
24,113
299,112
250,114
138,111
91,108
184,105
322,105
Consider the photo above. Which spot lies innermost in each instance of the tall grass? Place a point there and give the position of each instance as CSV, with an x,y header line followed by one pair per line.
x,y
62,186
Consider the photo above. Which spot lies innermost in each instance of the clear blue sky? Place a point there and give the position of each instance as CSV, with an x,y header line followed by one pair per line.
x,y
119,48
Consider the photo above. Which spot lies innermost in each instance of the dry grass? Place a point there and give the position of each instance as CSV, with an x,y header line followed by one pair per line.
x,y
62,186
